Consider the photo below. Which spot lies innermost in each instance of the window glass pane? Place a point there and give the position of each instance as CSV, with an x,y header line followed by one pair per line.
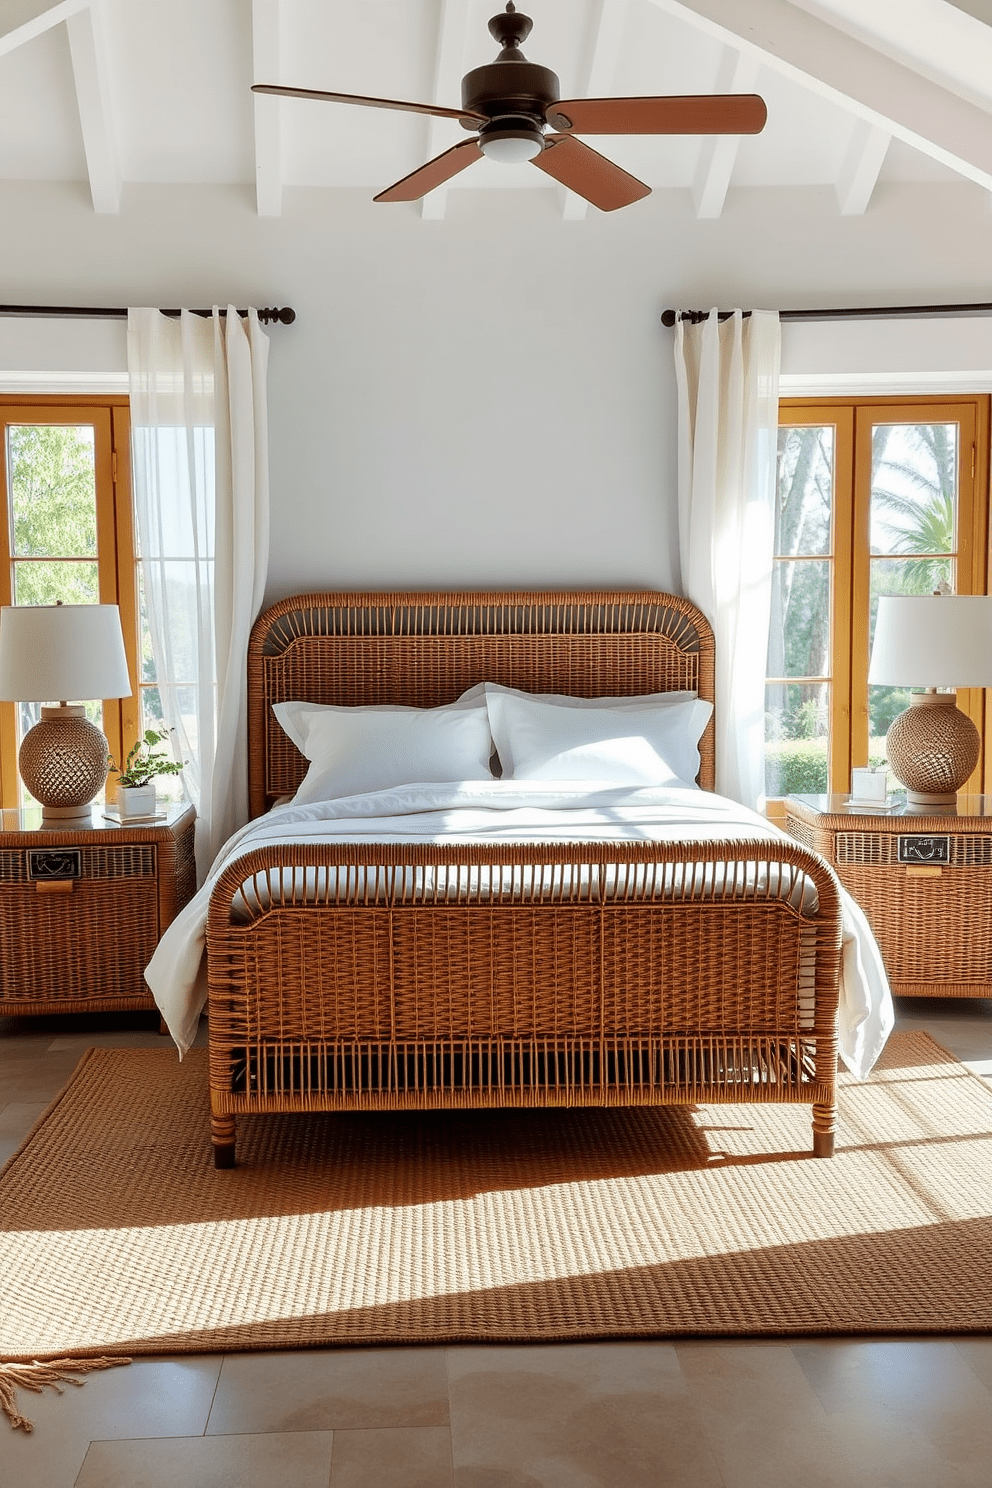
x,y
796,737
152,716
52,478
799,632
147,659
191,597
884,704
30,713
167,787
805,490
906,576
914,483
45,583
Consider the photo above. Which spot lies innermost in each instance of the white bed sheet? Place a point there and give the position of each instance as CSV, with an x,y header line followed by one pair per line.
x,y
516,812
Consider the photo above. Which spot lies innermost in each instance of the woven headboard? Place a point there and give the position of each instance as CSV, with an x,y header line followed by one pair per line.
x,y
426,649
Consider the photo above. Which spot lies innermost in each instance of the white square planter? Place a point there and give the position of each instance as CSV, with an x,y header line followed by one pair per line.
x,y
135,800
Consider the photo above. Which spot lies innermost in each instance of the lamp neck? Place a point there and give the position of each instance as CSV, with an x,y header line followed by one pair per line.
x,y
63,710
933,699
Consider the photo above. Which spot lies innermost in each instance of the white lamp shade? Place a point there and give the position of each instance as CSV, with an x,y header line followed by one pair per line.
x,y
932,641
52,653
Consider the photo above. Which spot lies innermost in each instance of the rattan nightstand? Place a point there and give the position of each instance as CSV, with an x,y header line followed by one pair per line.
x,y
925,883
81,911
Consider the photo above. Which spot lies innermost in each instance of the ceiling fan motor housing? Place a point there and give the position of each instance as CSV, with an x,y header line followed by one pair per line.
x,y
510,86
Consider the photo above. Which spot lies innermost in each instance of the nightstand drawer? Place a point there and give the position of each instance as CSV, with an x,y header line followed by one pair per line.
x,y
933,923
33,864
92,943
82,910
958,850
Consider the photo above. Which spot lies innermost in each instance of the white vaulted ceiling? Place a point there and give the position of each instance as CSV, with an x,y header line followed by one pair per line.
x,y
109,93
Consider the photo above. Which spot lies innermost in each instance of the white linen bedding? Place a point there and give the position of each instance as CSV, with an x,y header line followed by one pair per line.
x,y
510,811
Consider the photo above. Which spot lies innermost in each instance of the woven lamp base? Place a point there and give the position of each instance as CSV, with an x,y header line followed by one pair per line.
x,y
63,762
933,748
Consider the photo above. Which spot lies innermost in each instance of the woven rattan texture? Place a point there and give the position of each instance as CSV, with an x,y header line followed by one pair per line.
x,y
933,750
183,877
118,1237
63,760
964,849
949,915
934,927
471,1000
85,949
650,987
51,945
425,649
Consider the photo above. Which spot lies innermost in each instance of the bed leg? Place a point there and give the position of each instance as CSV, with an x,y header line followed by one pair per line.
x,y
222,1135
824,1130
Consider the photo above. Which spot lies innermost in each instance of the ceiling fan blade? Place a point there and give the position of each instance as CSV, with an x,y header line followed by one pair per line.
x,y
435,110
589,174
718,113
434,173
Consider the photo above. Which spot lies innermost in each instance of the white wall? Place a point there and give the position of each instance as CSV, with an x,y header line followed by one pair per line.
x,y
488,399
877,357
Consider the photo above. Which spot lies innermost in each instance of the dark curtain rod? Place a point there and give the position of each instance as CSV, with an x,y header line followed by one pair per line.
x,y
285,316
866,312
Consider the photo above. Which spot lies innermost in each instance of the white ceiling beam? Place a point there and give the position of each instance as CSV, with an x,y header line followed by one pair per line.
x,y
980,9
852,75
860,169
23,20
266,58
737,73
449,65
609,22
87,50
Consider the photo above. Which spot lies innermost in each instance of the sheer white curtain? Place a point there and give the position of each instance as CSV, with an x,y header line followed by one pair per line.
x,y
200,474
727,376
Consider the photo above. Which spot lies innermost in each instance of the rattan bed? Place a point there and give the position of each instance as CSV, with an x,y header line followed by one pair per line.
x,y
415,997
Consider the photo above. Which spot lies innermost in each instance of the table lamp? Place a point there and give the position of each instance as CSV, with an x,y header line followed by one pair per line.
x,y
932,641
62,651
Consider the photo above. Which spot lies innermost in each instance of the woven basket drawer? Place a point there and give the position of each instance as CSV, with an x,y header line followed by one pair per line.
x,y
87,944
930,928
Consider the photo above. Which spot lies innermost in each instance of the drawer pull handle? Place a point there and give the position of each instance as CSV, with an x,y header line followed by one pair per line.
x,y
55,863
54,885
923,849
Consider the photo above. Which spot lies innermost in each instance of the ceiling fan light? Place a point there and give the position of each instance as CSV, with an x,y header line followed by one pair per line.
x,y
511,144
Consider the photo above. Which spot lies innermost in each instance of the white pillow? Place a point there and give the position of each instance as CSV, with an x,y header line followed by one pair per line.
x,y
354,750
291,714
657,745
621,704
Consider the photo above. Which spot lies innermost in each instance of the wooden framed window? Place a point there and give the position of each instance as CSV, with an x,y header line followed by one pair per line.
x,y
875,496
66,532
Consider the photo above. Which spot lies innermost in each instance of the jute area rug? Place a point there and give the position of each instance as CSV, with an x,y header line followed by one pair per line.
x,y
118,1237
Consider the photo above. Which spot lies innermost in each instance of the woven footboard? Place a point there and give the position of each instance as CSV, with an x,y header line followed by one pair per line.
x,y
415,976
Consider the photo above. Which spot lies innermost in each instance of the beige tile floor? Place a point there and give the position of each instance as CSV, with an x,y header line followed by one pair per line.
x,y
890,1413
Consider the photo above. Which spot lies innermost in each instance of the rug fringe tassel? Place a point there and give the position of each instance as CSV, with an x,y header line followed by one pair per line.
x,y
35,1376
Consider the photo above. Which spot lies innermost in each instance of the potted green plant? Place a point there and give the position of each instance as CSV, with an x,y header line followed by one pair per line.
x,y
136,779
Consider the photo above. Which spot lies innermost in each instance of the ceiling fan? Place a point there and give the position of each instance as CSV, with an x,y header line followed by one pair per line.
x,y
511,103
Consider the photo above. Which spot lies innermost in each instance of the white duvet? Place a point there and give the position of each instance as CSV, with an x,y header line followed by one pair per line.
x,y
515,812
